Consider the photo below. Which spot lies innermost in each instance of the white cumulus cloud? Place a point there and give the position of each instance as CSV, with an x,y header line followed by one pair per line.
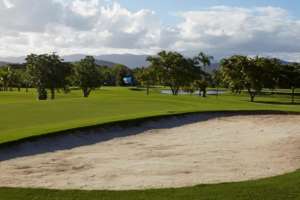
x,y
229,30
102,26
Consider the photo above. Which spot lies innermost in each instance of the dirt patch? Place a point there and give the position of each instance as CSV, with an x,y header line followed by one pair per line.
x,y
163,154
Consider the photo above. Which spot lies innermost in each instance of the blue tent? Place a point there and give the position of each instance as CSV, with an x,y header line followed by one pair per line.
x,y
128,80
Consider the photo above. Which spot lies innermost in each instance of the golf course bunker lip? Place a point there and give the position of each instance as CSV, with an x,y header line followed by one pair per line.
x,y
166,153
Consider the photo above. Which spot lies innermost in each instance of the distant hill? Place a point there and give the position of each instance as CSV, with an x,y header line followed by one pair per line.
x,y
129,60
285,62
3,63
11,59
105,63
77,57
13,65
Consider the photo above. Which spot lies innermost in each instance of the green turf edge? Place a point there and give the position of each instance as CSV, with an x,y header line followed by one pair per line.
x,y
283,187
139,120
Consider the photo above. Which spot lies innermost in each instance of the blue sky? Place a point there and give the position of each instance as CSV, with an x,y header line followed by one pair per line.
x,y
165,8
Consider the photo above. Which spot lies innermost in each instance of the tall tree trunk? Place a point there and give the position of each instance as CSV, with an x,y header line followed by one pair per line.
x,y
252,98
5,86
252,95
148,89
175,90
52,93
203,92
86,92
293,95
42,93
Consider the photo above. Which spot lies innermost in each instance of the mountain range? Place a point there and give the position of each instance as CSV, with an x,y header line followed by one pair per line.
x,y
130,60
3,63
110,60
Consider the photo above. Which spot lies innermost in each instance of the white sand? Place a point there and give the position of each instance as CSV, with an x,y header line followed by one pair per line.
x,y
222,149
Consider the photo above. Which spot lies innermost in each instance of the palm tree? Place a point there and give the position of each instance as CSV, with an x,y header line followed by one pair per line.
x,y
204,60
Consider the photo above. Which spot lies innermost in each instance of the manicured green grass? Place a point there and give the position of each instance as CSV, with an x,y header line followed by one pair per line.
x,y
285,187
22,116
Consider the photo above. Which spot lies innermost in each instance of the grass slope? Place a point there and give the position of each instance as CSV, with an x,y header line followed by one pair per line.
x,y
22,116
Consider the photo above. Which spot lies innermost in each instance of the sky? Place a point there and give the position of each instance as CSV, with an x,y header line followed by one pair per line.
x,y
165,8
218,27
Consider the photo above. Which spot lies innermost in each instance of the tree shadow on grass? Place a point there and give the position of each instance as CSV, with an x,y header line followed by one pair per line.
x,y
138,89
141,88
277,103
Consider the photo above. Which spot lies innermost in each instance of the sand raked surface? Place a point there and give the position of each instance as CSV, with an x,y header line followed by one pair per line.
x,y
172,152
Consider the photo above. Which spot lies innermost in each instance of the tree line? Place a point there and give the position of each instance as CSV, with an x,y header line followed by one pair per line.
x,y
238,73
49,73
254,74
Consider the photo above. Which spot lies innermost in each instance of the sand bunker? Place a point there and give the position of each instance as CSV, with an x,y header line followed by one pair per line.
x,y
176,152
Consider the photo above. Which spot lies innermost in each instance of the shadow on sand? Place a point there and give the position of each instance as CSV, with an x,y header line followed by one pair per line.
x,y
90,136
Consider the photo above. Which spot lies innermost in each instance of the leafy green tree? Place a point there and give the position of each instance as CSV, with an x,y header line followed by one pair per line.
x,y
137,73
5,76
38,71
64,75
231,69
107,75
271,71
26,80
120,71
47,71
145,77
12,77
87,75
201,85
242,72
203,60
173,69
217,80
202,78
290,78
16,79
58,73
